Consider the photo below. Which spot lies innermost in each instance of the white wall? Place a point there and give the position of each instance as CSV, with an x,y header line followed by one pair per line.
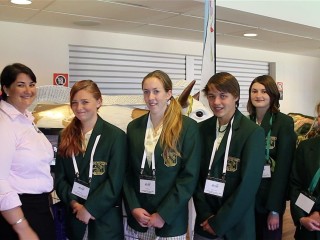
x,y
45,51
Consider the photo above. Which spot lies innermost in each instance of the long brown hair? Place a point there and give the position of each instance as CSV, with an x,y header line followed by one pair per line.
x,y
271,89
71,137
172,119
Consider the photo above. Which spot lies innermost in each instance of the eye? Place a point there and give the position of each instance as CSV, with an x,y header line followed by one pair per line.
x,y
199,114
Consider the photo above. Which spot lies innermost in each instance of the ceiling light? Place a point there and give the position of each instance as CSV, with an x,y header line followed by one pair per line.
x,y
250,34
21,2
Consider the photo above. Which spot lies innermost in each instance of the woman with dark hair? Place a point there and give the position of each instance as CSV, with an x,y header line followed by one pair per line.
x,y
305,188
90,168
231,167
263,107
164,150
25,156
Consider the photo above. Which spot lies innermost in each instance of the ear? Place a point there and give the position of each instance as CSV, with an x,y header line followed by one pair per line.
x,y
99,103
169,94
5,90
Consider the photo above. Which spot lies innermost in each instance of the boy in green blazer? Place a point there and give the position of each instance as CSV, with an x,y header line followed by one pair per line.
x,y
231,168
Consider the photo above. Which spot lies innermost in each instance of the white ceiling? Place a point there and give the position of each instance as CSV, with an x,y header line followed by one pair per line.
x,y
175,19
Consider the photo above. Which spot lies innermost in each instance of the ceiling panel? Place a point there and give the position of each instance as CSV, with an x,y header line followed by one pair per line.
x,y
182,21
165,32
175,19
65,20
108,10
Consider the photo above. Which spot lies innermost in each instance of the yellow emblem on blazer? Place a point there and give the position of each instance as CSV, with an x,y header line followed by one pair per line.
x,y
99,167
232,164
170,159
272,142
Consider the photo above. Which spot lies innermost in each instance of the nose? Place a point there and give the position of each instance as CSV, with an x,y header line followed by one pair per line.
x,y
151,96
28,89
216,101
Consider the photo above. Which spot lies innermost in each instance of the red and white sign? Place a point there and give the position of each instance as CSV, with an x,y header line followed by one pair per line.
x,y
61,79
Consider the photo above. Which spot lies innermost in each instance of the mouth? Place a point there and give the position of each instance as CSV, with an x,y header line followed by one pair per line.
x,y
152,104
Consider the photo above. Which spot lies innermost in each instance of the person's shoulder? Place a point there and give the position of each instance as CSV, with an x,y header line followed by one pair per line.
x,y
137,122
110,128
188,120
246,123
283,117
310,142
206,122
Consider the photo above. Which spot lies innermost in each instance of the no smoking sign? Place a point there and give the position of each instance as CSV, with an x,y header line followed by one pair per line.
x,y
61,79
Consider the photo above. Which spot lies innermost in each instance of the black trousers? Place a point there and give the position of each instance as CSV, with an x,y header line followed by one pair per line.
x,y
36,210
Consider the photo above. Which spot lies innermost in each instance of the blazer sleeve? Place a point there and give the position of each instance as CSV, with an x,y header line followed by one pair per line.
x,y
203,209
236,206
187,178
297,183
286,145
130,198
63,187
107,194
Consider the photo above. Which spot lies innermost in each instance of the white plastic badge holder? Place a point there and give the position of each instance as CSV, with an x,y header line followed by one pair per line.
x,y
147,184
80,189
214,187
305,202
266,171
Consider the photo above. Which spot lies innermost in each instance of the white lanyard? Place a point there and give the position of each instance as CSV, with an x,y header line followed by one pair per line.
x,y
76,170
226,151
153,163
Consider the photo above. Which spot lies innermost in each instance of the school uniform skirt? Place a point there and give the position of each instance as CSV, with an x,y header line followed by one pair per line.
x,y
36,210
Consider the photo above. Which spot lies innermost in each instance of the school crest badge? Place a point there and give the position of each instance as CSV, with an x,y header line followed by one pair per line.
x,y
232,164
99,168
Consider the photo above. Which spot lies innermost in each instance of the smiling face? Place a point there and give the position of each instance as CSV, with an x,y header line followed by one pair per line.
x,y
21,92
155,96
85,106
259,97
222,104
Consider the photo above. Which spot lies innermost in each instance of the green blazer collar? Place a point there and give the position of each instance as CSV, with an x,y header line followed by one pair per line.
x,y
235,126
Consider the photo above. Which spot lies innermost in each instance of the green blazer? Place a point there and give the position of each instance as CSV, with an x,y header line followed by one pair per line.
x,y
272,192
233,214
305,166
104,200
174,185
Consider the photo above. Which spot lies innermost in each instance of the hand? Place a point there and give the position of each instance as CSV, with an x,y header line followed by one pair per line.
x,y
156,221
206,227
273,221
142,216
75,206
83,215
310,223
315,216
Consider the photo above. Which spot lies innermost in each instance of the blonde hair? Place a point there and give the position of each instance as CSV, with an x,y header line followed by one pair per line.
x,y
172,119
71,137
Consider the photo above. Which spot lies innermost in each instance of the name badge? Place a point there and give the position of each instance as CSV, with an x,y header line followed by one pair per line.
x,y
266,171
147,184
214,186
80,189
305,202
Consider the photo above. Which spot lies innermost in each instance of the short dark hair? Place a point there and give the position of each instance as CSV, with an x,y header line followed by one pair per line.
x,y
272,90
10,73
224,82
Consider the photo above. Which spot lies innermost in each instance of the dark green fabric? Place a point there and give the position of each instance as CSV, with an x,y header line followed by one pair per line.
x,y
174,185
272,192
233,214
305,166
104,200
